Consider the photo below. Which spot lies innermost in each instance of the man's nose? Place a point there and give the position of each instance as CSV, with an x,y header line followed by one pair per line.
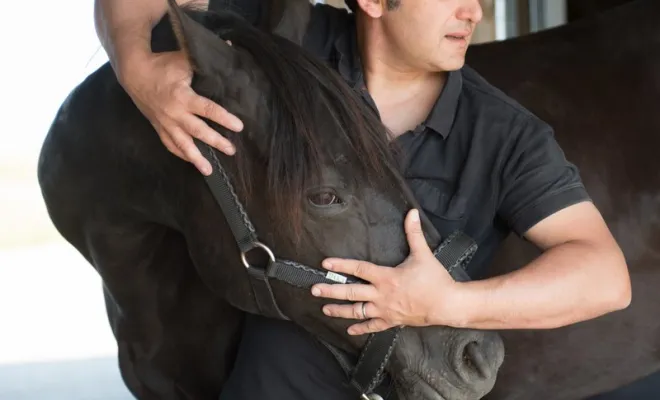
x,y
471,11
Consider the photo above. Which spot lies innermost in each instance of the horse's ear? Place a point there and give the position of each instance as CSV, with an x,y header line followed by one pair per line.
x,y
208,54
289,18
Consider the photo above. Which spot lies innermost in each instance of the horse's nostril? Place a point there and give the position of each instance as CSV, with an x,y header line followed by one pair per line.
x,y
475,361
479,358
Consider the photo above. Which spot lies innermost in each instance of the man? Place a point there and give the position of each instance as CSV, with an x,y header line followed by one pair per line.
x,y
476,160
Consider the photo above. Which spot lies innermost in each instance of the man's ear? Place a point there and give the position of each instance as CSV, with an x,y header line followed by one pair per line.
x,y
208,54
373,8
290,18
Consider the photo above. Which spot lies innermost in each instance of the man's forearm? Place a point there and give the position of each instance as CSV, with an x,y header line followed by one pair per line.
x,y
569,283
124,26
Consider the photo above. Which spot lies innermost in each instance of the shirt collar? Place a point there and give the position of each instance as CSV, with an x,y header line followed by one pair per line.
x,y
442,115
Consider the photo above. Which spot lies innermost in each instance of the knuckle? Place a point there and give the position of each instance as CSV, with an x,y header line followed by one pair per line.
x,y
357,312
179,142
360,268
179,91
169,109
208,108
172,149
196,131
388,280
382,325
188,149
350,294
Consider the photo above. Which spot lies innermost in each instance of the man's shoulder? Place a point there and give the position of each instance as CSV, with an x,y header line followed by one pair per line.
x,y
326,24
494,102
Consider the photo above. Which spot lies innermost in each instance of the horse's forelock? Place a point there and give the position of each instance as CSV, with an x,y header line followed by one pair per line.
x,y
297,143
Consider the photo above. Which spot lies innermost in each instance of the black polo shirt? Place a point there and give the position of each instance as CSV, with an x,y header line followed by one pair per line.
x,y
480,162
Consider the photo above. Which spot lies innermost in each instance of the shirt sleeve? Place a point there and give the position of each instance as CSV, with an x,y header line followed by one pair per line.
x,y
249,9
537,179
327,23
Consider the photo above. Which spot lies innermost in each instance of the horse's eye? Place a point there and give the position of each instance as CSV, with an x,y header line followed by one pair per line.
x,y
324,199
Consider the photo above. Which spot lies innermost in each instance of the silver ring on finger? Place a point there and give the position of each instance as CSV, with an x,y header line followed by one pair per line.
x,y
364,310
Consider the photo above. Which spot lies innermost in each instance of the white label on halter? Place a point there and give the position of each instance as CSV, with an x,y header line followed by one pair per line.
x,y
336,277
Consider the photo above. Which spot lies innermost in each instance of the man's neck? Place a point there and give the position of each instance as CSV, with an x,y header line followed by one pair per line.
x,y
404,94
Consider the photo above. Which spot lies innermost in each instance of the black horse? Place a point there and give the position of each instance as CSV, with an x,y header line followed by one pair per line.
x,y
578,9
315,173
597,81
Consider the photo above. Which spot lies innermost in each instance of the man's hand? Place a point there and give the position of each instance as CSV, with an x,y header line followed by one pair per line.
x,y
418,292
159,85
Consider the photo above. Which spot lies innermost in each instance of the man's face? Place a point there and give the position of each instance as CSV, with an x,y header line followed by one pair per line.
x,y
431,34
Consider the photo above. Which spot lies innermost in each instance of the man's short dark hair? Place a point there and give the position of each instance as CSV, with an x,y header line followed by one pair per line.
x,y
391,4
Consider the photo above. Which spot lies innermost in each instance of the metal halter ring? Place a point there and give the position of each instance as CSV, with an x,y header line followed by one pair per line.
x,y
264,247
372,396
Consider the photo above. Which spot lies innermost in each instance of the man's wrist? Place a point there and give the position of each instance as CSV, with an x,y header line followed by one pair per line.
x,y
468,303
130,47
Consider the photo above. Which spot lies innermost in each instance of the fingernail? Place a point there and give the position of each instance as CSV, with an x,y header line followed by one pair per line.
x,y
351,331
237,124
207,170
327,265
231,150
316,291
415,215
326,311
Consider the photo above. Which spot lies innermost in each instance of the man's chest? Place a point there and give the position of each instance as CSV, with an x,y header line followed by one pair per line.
x,y
455,185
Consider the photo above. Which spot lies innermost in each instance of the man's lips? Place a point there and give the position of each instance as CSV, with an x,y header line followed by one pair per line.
x,y
458,35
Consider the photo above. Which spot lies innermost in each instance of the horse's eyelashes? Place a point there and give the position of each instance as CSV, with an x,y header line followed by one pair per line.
x,y
324,199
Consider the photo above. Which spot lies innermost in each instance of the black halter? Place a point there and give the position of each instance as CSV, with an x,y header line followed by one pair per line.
x,y
454,253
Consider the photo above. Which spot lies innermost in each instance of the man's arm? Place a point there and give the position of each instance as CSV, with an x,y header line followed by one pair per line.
x,y
581,274
159,84
124,27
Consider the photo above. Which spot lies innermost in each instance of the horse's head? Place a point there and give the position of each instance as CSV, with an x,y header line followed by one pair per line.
x,y
314,169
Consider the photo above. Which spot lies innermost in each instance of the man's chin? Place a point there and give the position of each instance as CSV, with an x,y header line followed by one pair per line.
x,y
453,64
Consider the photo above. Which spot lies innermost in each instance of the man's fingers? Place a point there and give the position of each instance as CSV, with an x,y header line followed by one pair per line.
x,y
169,144
415,234
186,145
361,269
370,326
350,292
167,141
199,129
210,110
351,311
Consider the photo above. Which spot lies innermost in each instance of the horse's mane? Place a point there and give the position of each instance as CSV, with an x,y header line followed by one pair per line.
x,y
300,87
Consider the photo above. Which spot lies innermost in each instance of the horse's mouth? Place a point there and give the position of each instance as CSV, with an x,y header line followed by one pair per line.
x,y
416,388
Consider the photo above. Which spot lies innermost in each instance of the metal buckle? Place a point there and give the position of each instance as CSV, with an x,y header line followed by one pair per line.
x,y
372,396
264,248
